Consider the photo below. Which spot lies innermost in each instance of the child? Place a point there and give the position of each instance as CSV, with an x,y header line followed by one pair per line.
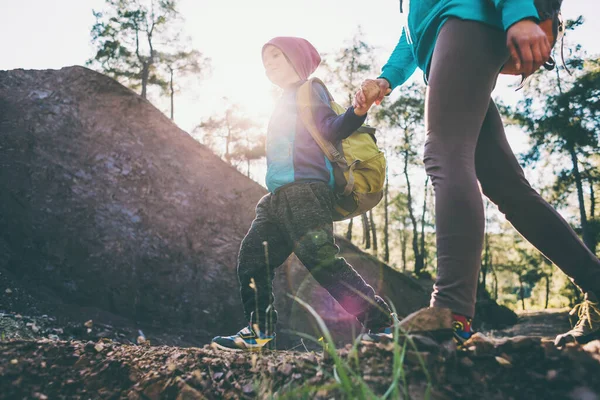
x,y
296,216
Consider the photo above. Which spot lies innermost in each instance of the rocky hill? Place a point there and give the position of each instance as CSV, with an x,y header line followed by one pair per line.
x,y
106,204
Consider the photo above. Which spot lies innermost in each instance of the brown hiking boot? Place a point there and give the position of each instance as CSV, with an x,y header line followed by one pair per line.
x,y
587,327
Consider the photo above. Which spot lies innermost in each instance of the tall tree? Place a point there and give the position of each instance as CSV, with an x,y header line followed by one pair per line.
x,y
386,224
178,65
561,113
406,115
134,42
233,136
562,117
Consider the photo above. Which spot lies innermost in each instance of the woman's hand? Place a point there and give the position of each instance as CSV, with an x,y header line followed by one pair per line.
x,y
360,100
528,46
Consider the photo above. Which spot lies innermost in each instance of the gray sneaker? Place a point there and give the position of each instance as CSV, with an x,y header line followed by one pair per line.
x,y
587,327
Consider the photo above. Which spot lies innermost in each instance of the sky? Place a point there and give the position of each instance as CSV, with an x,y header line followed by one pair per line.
x,y
42,34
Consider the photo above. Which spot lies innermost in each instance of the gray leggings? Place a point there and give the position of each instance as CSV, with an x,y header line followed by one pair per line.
x,y
466,144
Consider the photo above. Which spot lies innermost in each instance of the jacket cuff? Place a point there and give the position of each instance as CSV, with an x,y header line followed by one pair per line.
x,y
515,11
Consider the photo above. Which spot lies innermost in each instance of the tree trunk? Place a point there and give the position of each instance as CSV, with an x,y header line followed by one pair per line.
x,y
145,75
585,231
349,231
486,260
366,231
592,198
495,276
547,290
373,231
172,96
386,243
413,220
403,245
423,255
522,293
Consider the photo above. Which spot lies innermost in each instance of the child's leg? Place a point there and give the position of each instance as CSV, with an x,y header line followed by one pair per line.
x,y
255,274
305,211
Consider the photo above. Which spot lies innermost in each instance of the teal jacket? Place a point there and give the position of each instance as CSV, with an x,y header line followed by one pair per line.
x,y
426,17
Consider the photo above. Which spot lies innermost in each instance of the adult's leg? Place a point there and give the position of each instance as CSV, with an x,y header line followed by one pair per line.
x,y
467,58
306,214
255,270
504,183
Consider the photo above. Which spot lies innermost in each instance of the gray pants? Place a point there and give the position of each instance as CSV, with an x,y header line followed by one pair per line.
x,y
466,144
297,218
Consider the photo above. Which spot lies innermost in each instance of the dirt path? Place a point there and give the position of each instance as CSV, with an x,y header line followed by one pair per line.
x,y
500,365
546,324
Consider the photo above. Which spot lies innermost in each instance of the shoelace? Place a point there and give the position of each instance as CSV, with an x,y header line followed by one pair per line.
x,y
584,313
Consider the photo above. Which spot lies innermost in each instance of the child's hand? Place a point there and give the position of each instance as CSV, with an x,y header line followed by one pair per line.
x,y
371,91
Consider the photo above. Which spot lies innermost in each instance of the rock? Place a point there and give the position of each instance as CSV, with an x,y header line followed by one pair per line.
x,y
480,344
285,369
583,393
503,361
467,362
519,343
133,216
551,375
430,319
189,393
248,388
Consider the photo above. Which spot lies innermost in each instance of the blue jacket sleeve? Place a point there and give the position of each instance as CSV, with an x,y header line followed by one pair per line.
x,y
401,64
332,127
515,10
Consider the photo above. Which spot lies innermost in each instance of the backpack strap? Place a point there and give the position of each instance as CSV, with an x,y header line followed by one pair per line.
x,y
304,106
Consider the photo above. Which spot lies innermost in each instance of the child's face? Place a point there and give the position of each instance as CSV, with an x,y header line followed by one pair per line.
x,y
278,68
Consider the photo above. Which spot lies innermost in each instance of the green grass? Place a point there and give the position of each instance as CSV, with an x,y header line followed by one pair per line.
x,y
346,373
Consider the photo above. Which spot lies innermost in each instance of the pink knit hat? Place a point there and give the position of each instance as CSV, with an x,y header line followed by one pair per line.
x,y
302,55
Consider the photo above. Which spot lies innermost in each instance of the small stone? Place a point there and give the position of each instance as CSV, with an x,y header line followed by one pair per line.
x,y
428,319
248,388
551,375
285,369
99,347
8,291
89,324
467,362
189,393
217,375
14,361
583,393
480,344
503,361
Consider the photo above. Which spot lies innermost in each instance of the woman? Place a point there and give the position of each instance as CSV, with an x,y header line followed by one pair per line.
x,y
462,45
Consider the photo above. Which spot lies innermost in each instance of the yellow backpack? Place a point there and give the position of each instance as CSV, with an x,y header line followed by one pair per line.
x,y
359,167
